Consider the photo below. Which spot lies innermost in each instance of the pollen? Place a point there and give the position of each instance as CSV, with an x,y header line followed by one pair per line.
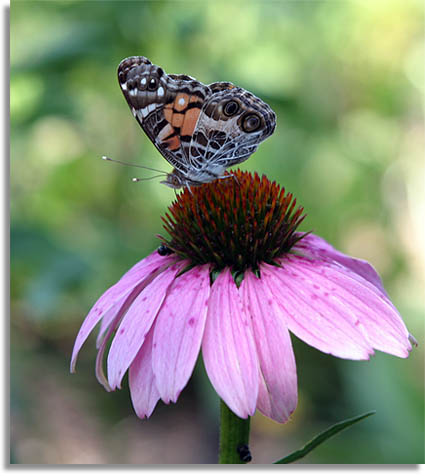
x,y
238,221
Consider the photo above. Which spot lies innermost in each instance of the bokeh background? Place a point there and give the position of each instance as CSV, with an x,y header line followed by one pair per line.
x,y
346,81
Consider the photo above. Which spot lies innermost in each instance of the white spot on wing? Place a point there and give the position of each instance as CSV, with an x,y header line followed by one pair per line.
x,y
144,111
182,101
124,86
151,107
133,92
143,81
133,111
160,91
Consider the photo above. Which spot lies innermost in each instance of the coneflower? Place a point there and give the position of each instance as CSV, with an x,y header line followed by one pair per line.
x,y
233,279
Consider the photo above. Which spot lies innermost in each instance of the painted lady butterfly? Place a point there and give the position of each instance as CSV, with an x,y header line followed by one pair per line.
x,y
200,130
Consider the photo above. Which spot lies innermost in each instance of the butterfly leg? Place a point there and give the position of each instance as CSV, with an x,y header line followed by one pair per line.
x,y
233,176
222,177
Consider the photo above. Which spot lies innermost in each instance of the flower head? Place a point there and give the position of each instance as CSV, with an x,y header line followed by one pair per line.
x,y
236,223
233,279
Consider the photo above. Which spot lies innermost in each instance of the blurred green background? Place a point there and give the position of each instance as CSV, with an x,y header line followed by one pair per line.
x,y
346,81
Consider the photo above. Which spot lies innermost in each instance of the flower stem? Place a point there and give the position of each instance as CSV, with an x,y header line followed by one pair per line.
x,y
234,437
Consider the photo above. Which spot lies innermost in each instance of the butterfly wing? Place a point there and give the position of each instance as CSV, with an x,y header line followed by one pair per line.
x,y
167,107
232,123
200,130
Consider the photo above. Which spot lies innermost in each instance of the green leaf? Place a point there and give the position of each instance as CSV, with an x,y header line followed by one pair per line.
x,y
322,437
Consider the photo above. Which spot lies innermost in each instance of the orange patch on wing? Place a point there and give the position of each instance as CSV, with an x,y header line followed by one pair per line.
x,y
173,143
190,120
181,101
177,119
168,113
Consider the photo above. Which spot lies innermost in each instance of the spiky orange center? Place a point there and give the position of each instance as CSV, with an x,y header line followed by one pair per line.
x,y
238,222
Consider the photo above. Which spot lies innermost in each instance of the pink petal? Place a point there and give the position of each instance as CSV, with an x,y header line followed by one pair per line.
x,y
147,268
277,397
228,348
143,390
319,320
178,332
113,320
359,303
136,324
141,268
122,306
319,248
107,319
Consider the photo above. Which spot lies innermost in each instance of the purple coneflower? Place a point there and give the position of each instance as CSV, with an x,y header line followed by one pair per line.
x,y
233,279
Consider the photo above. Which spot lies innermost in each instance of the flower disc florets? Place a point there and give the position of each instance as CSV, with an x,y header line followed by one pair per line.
x,y
239,222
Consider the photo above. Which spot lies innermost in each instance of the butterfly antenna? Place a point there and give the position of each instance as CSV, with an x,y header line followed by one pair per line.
x,y
137,179
104,157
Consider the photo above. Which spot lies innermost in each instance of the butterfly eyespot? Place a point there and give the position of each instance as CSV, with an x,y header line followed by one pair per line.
x,y
131,84
152,84
231,108
251,123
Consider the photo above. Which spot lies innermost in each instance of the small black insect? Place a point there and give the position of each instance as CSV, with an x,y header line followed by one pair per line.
x,y
244,453
163,250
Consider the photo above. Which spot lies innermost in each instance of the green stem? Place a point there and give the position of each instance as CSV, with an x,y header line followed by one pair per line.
x,y
234,437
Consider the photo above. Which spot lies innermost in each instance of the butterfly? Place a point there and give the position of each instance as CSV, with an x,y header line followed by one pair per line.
x,y
199,129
